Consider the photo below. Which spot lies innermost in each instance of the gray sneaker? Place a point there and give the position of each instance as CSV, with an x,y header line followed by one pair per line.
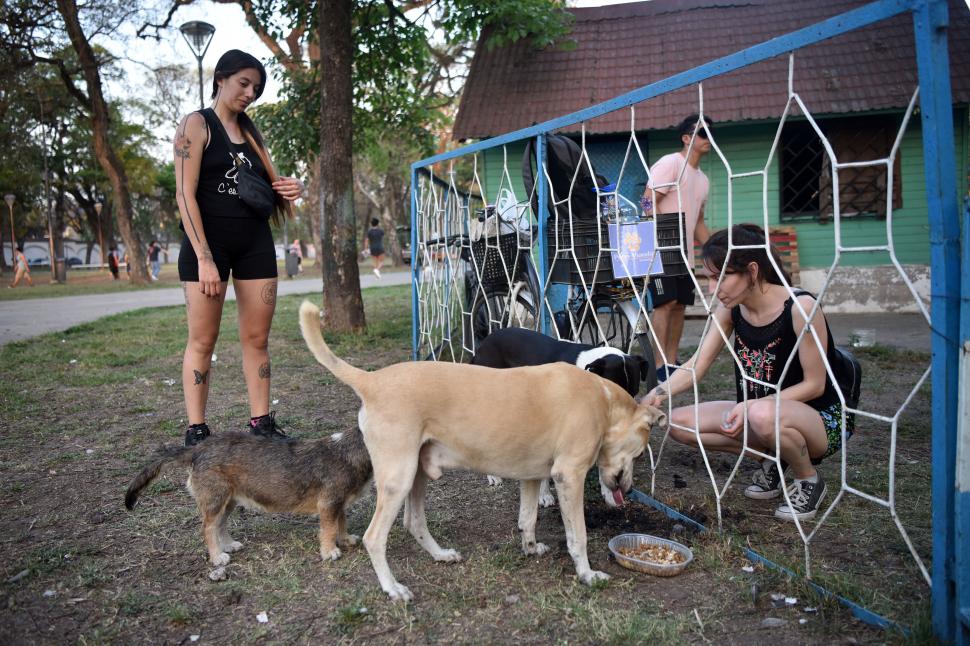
x,y
806,498
766,482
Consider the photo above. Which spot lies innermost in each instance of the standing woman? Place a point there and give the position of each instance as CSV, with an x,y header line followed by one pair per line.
x,y
224,237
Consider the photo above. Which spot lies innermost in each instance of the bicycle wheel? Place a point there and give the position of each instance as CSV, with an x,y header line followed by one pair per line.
x,y
496,308
617,331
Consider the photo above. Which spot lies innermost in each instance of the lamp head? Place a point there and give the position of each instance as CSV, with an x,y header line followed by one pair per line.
x,y
197,34
9,199
97,207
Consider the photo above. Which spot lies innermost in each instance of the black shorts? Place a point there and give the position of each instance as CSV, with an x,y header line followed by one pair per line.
x,y
243,247
664,289
377,251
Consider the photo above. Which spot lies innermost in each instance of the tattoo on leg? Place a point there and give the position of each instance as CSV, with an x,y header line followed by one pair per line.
x,y
264,371
201,378
804,449
269,293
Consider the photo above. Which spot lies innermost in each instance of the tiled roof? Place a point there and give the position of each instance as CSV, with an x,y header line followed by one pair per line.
x,y
622,47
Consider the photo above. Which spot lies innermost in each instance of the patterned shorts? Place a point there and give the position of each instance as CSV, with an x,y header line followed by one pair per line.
x,y
832,419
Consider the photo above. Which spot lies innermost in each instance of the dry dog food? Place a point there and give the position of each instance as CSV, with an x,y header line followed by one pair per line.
x,y
660,554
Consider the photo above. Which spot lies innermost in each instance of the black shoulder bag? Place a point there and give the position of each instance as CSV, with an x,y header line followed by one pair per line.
x,y
254,191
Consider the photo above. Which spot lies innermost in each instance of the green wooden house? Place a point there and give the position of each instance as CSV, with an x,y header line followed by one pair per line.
x,y
857,88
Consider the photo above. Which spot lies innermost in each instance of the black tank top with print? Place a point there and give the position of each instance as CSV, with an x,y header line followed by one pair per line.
x,y
217,191
762,352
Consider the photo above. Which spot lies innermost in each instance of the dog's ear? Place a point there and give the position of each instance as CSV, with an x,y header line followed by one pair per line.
x,y
597,367
654,416
644,365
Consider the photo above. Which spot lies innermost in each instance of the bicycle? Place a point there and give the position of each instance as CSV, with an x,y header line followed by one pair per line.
x,y
498,277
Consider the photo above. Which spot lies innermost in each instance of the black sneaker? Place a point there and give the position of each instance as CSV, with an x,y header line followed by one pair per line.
x,y
766,481
806,498
265,426
196,433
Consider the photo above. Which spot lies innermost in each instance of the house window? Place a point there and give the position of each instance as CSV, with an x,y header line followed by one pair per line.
x,y
806,173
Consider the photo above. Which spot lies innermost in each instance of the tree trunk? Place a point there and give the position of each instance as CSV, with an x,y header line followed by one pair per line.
x,y
102,146
313,210
343,308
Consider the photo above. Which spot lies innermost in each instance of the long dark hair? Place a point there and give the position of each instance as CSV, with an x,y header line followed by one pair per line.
x,y
716,256
233,61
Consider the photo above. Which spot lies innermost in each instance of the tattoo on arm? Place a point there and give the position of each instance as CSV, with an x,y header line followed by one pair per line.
x,y
201,378
264,371
182,143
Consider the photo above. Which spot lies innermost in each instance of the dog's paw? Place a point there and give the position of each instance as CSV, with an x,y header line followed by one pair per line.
x,y
494,481
331,555
350,540
448,556
547,500
220,559
594,576
398,592
218,574
233,546
535,549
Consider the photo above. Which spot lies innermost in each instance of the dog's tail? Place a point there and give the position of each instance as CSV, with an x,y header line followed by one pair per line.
x,y
181,454
310,326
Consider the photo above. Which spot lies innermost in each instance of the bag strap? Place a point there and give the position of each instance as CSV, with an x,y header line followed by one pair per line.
x,y
237,159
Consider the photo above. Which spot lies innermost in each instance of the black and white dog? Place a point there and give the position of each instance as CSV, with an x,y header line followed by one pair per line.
x,y
516,347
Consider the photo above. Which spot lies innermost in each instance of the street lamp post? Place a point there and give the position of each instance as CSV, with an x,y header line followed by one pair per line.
x,y
198,35
9,199
97,209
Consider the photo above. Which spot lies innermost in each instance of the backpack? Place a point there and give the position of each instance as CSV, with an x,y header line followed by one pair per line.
x,y
845,367
563,157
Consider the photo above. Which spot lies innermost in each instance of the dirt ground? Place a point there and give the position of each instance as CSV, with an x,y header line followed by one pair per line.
x,y
78,567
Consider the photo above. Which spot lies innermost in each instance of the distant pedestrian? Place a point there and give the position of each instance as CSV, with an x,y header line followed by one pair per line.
x,y
297,251
127,261
21,268
374,244
156,266
113,261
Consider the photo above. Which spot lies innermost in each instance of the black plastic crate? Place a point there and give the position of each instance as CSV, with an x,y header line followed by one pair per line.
x,y
585,241
491,262
668,234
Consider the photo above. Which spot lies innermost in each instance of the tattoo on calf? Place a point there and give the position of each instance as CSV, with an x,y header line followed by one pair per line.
x,y
269,293
264,371
201,378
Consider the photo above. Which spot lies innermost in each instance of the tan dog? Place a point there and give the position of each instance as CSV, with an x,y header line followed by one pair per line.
x,y
530,423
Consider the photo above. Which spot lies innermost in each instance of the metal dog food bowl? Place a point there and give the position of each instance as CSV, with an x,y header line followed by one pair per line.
x,y
633,541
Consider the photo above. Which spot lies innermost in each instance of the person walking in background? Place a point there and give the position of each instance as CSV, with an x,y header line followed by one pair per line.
x,y
127,261
374,245
113,261
297,251
671,295
20,268
224,236
153,263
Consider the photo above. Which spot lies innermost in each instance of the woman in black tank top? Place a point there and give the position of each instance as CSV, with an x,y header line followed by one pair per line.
x,y
224,238
766,322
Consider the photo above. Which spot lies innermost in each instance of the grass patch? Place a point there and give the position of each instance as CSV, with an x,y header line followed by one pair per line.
x,y
143,574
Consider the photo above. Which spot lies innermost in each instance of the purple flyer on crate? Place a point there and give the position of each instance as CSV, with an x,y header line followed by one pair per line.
x,y
636,253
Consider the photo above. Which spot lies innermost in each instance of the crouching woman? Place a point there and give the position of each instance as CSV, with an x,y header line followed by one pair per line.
x,y
756,307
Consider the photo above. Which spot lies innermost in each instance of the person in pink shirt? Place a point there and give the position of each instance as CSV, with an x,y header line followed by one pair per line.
x,y
678,185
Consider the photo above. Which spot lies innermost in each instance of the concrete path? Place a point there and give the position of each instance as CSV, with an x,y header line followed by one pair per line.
x,y
33,317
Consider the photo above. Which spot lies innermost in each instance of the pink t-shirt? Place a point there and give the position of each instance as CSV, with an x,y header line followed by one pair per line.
x,y
694,187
